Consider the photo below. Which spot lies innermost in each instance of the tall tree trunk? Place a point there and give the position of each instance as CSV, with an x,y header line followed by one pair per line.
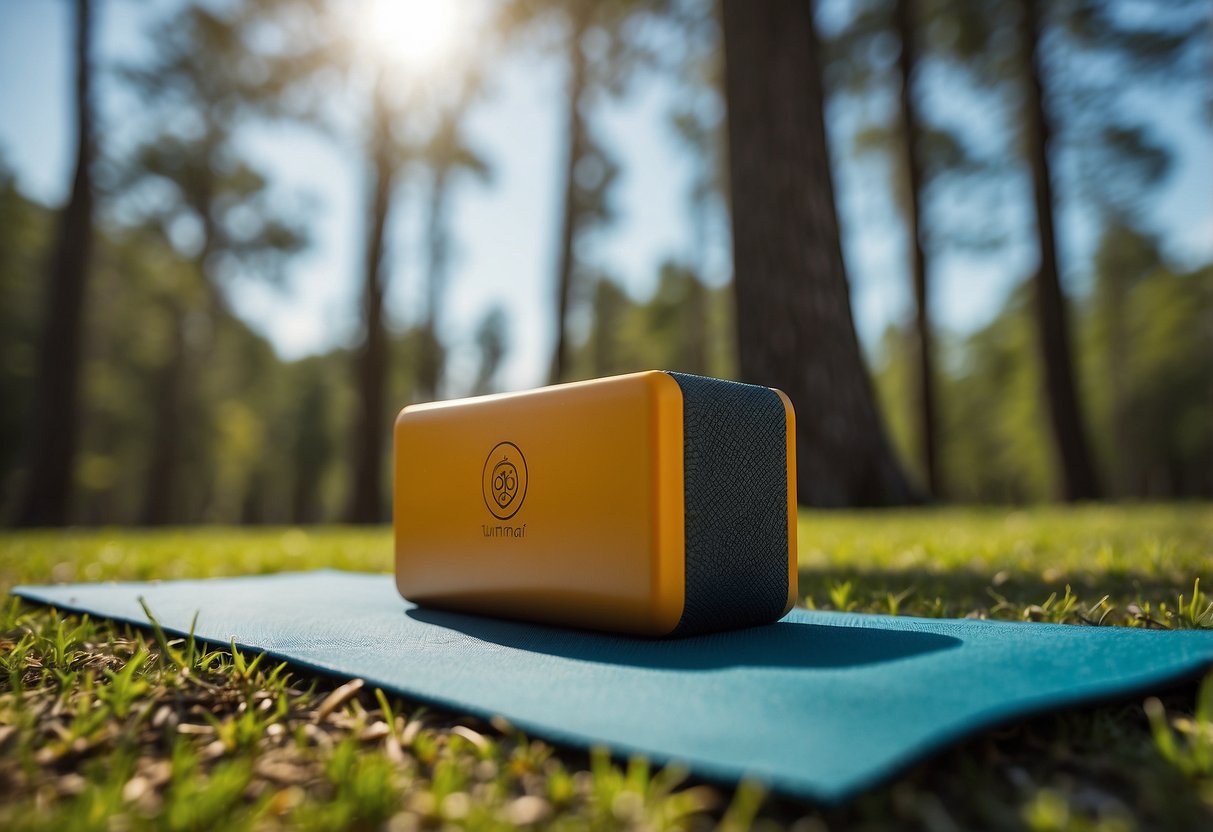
x,y
56,405
173,419
695,330
1125,477
794,324
608,307
366,490
575,132
429,368
911,146
1078,473
160,502
304,499
310,455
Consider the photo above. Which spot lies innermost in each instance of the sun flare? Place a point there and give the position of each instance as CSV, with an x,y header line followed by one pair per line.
x,y
413,34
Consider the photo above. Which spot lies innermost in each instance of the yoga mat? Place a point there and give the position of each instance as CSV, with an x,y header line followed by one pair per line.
x,y
819,705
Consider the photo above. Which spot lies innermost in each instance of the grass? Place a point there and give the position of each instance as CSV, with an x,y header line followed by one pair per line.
x,y
110,727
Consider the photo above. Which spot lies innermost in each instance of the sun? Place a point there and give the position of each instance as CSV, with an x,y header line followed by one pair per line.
x,y
411,34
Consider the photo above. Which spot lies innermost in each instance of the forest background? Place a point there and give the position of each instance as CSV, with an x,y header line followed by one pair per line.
x,y
237,236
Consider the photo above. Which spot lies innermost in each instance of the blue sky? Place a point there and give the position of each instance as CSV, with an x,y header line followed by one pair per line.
x,y
506,232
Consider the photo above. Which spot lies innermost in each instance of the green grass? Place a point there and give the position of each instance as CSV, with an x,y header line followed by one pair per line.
x,y
110,727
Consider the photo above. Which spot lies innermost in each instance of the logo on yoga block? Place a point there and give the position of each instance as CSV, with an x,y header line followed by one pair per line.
x,y
504,480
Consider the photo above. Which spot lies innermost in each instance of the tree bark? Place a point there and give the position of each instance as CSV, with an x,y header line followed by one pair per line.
x,y
695,331
575,132
429,369
794,324
311,452
371,364
56,405
160,497
1078,473
173,418
1124,475
911,145
607,308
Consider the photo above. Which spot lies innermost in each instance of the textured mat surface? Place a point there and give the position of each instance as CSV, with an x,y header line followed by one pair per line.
x,y
818,705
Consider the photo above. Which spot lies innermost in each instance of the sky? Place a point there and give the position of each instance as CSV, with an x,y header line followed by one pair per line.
x,y
506,232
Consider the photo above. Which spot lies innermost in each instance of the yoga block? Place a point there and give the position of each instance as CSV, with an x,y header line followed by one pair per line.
x,y
652,503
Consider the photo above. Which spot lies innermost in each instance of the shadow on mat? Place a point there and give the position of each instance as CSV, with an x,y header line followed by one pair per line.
x,y
782,644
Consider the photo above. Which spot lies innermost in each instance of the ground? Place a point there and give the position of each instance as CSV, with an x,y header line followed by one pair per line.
x,y
112,727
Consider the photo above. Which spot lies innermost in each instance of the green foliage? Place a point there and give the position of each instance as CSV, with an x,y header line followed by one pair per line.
x,y
263,440
684,326
993,433
1151,356
25,230
266,438
1147,362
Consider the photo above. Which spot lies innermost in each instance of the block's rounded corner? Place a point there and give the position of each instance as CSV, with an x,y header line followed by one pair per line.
x,y
398,578
793,594
661,384
406,414
788,410
668,596
793,560
666,615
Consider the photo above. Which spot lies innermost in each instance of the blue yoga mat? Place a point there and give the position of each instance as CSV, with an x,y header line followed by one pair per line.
x,y
819,705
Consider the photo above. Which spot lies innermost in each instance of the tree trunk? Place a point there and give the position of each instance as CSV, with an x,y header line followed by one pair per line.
x,y
173,419
911,146
160,495
371,364
608,308
1116,351
312,447
695,329
569,219
794,324
56,405
1078,474
429,369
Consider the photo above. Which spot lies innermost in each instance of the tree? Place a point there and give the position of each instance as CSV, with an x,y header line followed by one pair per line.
x,y
926,158
391,148
794,324
492,339
1169,411
447,155
589,171
1118,160
313,445
204,81
669,329
597,43
1148,342
575,135
55,414
371,359
610,304
26,232
697,124
1070,117
414,118
602,44
912,154
1077,470
1125,257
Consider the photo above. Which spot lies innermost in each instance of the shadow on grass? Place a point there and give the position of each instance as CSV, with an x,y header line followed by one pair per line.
x,y
784,644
